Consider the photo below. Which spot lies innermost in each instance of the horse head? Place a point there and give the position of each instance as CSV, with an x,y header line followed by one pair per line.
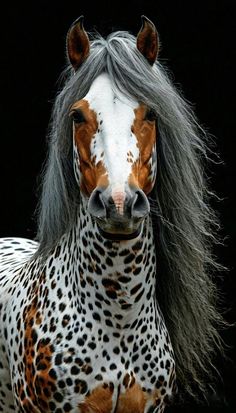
x,y
114,142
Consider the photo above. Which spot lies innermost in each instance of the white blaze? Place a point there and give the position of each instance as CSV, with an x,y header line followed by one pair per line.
x,y
114,139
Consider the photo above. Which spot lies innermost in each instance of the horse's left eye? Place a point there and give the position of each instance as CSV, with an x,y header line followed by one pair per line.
x,y
77,116
150,115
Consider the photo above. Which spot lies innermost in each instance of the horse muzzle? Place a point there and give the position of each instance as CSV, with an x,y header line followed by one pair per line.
x,y
119,215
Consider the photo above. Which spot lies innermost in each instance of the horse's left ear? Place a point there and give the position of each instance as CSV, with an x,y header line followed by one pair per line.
x,y
147,40
77,43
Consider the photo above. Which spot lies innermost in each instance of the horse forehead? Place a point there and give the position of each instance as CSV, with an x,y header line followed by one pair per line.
x,y
109,104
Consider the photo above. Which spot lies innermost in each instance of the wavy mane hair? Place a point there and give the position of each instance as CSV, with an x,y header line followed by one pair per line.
x,y
184,224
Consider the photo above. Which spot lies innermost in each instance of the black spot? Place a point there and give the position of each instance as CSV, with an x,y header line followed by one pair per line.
x,y
96,317
109,262
52,374
127,363
58,397
111,294
99,249
138,259
62,307
145,366
137,246
137,271
81,386
124,279
34,336
61,384
124,252
128,270
137,298
119,375
135,289
130,339
67,407
92,345
143,329
108,322
80,341
69,381
57,252
74,370
125,306
129,258
98,377
41,366
84,241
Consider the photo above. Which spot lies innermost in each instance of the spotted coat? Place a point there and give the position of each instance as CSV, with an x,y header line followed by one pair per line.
x,y
82,331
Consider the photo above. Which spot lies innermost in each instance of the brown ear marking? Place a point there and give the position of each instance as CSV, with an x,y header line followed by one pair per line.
x,y
77,43
147,40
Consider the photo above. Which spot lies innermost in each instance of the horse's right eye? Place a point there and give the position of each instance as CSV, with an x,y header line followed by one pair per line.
x,y
77,116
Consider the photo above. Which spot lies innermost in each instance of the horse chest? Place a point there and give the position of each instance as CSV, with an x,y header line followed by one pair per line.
x,y
94,370
77,365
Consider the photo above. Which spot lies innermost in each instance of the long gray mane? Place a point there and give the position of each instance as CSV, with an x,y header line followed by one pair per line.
x,y
184,221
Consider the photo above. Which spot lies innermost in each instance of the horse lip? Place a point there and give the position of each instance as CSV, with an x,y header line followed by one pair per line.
x,y
119,229
120,236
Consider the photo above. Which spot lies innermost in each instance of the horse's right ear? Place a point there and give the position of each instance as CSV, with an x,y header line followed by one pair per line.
x,y
77,43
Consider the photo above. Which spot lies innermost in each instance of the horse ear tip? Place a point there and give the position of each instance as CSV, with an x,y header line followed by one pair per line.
x,y
146,20
79,21
143,17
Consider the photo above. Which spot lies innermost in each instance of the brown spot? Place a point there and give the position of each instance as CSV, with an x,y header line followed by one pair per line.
x,y
38,318
93,174
129,380
99,400
36,379
29,319
133,400
90,280
43,380
111,285
145,132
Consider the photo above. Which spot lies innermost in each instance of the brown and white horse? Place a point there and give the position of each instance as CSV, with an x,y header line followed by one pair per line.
x,y
81,329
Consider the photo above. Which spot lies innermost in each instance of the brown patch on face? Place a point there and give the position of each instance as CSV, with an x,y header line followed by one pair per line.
x,y
133,400
99,400
93,174
145,132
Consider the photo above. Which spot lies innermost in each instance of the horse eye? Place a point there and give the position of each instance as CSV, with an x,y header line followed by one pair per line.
x,y
77,116
150,115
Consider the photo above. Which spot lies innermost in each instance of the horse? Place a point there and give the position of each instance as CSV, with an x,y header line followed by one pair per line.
x,y
112,308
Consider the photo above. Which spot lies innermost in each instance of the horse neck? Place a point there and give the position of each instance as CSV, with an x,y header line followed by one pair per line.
x,y
109,277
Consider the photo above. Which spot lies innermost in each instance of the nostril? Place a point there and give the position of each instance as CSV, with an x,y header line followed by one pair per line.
x,y
140,205
96,205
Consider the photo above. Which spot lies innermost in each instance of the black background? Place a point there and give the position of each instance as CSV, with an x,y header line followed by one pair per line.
x,y
198,43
